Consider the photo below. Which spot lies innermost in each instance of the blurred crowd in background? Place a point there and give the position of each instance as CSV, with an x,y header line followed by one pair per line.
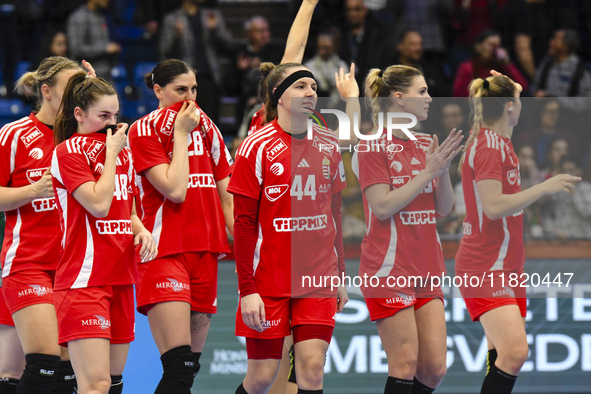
x,y
545,45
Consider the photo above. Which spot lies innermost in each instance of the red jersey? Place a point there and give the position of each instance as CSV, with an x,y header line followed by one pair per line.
x,y
294,181
32,233
95,252
407,243
258,120
197,224
489,245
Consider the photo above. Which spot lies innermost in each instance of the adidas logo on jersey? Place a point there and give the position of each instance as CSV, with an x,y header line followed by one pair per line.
x,y
414,162
303,164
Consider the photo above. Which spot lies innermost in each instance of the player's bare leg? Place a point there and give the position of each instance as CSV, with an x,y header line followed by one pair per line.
x,y
91,361
431,361
118,358
505,329
12,358
200,323
260,375
170,323
281,385
309,367
37,329
400,342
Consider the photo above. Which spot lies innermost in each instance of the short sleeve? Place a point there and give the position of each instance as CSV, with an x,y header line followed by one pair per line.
x,y
222,162
373,168
247,177
5,159
147,148
488,164
71,167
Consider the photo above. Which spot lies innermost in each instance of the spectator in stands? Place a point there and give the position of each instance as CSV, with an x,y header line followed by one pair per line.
x,y
198,36
545,129
325,64
557,149
563,73
472,17
365,41
257,49
530,175
410,53
54,43
489,55
431,19
88,37
569,215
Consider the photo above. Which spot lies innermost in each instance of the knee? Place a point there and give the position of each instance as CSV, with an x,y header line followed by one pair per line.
x,y
100,386
432,374
179,367
513,359
403,365
311,371
259,380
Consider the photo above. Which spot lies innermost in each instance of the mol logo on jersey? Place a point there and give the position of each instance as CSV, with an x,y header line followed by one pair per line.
x,y
44,204
399,181
417,217
201,180
31,136
35,175
95,149
275,191
276,149
307,223
513,176
38,290
168,122
114,226
99,321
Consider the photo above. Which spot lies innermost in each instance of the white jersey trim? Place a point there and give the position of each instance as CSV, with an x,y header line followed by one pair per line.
x,y
478,205
390,258
500,263
157,230
7,129
62,195
86,269
16,239
257,251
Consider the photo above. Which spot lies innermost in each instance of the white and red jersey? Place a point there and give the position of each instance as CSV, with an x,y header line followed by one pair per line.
x,y
407,243
294,181
95,252
32,234
198,223
489,245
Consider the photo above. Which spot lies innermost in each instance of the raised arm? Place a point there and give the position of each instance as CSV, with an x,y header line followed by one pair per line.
x,y
298,34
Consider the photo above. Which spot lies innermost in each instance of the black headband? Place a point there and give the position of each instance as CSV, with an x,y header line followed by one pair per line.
x,y
287,82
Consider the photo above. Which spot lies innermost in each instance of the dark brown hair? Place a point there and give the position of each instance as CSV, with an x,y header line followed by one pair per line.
x,y
166,71
82,92
272,77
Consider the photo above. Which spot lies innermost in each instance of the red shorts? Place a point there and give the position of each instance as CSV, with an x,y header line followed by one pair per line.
x,y
5,316
492,293
282,313
188,277
26,288
96,312
386,302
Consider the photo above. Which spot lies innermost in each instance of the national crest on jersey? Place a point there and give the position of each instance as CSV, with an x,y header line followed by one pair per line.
x,y
32,232
490,244
407,243
200,216
294,181
95,251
